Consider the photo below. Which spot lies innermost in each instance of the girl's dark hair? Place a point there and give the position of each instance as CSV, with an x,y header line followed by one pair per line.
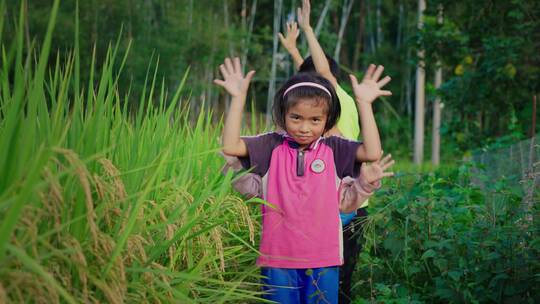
x,y
283,103
309,67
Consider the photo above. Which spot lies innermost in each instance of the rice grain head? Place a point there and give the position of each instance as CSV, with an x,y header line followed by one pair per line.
x,y
54,186
116,286
28,285
28,224
114,173
246,218
217,238
136,248
100,186
84,177
78,257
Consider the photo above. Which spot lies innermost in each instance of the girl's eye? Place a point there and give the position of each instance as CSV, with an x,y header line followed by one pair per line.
x,y
316,120
294,117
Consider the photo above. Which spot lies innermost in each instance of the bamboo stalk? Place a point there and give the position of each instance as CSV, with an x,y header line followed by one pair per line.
x,y
420,95
320,22
272,81
437,107
347,7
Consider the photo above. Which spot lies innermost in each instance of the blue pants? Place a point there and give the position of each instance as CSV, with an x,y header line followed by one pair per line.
x,y
313,285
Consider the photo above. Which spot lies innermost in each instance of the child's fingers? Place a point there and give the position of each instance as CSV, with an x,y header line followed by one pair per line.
x,y
387,174
354,81
385,93
388,165
219,82
229,66
223,71
281,38
237,65
386,158
384,81
378,72
369,72
249,75
362,166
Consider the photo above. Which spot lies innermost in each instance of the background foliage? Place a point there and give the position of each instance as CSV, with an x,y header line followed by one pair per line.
x,y
488,49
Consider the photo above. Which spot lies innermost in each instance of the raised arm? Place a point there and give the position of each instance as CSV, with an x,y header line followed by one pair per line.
x,y
365,93
236,85
289,43
319,58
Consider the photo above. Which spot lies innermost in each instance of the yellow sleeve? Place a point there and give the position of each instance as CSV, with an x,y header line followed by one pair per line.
x,y
348,121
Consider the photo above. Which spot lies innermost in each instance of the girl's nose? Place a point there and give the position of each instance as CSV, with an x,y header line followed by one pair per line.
x,y
304,128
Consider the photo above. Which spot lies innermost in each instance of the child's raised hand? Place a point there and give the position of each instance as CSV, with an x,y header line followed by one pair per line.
x,y
370,87
234,81
376,170
303,14
289,41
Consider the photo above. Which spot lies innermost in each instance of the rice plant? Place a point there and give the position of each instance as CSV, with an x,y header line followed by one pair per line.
x,y
100,204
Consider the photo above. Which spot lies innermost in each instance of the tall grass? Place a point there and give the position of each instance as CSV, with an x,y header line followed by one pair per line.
x,y
98,204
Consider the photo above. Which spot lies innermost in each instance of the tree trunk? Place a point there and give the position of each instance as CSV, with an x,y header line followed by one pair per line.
x,y
406,70
94,22
420,95
130,20
408,89
400,25
227,26
190,22
379,26
359,37
247,40
370,27
213,99
347,7
437,107
272,81
320,22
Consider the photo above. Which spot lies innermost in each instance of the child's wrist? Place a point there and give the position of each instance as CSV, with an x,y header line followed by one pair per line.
x,y
307,29
291,48
363,103
238,101
240,95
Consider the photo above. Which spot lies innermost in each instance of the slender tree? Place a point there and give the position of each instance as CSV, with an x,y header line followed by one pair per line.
x,y
347,7
379,26
359,43
278,5
247,39
420,94
320,22
437,107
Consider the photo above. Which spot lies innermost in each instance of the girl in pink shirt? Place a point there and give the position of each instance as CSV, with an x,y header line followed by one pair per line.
x,y
305,178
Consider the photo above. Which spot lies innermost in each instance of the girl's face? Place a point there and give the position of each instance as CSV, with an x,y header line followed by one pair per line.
x,y
305,121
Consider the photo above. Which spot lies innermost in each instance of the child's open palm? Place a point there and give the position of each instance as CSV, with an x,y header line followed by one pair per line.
x,y
234,81
303,14
289,41
377,169
370,87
